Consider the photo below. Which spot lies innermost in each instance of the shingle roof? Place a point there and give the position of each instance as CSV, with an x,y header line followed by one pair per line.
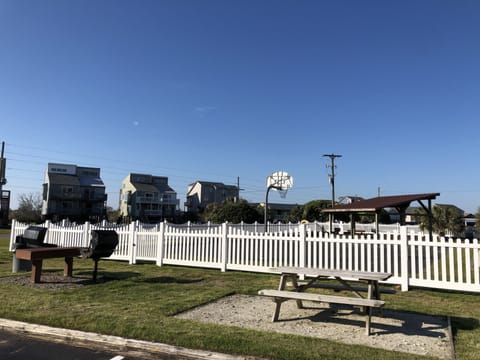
x,y
377,203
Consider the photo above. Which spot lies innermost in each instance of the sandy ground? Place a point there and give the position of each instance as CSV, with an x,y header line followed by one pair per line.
x,y
397,331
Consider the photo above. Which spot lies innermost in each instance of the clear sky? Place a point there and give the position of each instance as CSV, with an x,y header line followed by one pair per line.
x,y
215,90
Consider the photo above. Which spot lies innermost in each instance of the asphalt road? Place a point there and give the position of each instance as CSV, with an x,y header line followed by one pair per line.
x,y
18,346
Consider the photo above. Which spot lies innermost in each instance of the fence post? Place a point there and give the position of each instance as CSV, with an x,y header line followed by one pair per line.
x,y
476,264
161,235
132,242
47,226
12,234
63,232
86,234
404,260
224,247
303,245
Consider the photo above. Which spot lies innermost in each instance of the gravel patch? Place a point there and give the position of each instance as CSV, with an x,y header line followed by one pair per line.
x,y
397,331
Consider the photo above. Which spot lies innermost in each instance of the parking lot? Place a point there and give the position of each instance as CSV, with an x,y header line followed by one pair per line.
x,y
18,346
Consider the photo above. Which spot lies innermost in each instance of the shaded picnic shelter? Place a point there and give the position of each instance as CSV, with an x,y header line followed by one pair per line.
x,y
375,205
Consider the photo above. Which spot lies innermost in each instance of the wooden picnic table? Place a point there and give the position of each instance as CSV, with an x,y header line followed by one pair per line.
x,y
368,301
37,255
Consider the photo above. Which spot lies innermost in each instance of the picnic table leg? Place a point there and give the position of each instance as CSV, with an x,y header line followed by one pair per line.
x,y
278,302
36,270
369,317
374,292
369,295
370,289
68,267
283,282
297,288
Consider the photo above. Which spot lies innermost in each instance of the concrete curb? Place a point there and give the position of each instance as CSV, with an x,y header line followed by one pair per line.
x,y
136,348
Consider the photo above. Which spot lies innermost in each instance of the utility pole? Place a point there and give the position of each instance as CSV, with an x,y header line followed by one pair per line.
x,y
237,199
4,195
332,182
3,161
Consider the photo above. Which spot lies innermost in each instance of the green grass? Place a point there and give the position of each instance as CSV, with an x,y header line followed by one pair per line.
x,y
139,300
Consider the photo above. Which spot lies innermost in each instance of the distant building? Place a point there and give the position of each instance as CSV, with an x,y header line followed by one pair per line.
x,y
410,215
349,199
202,193
73,192
147,198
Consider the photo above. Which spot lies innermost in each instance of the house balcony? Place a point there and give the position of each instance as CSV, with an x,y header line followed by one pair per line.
x,y
147,200
155,200
64,196
153,212
94,198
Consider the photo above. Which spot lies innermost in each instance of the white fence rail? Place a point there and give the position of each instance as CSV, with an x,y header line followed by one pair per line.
x,y
411,257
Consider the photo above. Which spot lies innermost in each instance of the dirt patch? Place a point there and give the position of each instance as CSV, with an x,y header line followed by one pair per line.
x,y
398,331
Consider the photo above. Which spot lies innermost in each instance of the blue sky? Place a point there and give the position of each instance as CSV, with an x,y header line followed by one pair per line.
x,y
215,90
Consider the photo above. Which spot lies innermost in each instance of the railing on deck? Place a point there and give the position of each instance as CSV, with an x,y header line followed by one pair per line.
x,y
411,257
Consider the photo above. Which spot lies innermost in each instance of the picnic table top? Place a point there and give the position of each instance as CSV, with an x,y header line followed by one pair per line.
x,y
47,252
314,272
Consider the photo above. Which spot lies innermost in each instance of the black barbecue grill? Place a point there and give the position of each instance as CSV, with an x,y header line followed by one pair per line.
x,y
32,237
102,245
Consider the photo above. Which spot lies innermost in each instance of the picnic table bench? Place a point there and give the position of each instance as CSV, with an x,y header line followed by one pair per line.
x,y
102,245
371,300
37,255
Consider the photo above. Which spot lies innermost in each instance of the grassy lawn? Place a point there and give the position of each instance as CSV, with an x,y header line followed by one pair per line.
x,y
139,301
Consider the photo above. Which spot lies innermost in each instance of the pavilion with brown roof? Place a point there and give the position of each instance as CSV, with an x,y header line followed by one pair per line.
x,y
375,205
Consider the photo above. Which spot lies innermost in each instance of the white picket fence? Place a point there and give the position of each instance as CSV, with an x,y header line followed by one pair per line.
x,y
411,257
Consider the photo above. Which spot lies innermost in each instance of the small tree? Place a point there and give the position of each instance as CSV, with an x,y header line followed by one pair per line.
x,y
445,218
312,210
113,215
477,217
29,208
295,215
230,211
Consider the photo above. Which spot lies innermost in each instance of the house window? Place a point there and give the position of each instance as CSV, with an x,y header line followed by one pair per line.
x,y
89,194
67,205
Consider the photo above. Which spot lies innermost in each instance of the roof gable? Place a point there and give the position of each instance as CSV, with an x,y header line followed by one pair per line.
x,y
378,203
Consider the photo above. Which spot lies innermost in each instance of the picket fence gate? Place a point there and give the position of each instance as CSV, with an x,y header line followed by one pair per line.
x,y
410,255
